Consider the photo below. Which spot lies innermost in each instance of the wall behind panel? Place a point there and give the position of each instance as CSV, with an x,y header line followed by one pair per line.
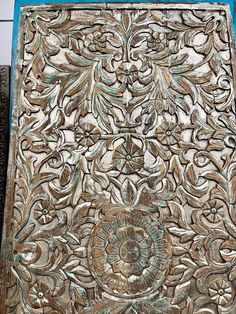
x,y
6,23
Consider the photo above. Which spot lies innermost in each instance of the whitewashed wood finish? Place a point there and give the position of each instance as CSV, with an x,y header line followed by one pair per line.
x,y
122,177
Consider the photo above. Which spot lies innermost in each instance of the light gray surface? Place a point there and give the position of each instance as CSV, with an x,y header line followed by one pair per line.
x,y
6,9
5,40
6,16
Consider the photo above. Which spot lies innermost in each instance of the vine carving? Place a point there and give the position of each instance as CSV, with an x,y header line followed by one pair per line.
x,y
123,181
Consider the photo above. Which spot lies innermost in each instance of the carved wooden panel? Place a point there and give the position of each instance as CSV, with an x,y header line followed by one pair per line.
x,y
122,176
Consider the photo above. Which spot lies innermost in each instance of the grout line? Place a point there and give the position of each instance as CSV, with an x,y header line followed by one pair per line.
x,y
6,21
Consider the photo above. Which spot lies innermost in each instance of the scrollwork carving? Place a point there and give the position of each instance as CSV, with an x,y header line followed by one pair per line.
x,y
123,182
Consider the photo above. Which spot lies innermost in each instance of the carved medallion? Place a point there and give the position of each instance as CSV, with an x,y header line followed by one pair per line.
x,y
122,175
128,253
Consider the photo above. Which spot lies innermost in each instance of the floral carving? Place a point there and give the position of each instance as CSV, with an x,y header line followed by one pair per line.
x,y
127,73
128,158
39,295
122,186
95,41
168,133
44,211
86,134
157,41
214,210
129,252
220,292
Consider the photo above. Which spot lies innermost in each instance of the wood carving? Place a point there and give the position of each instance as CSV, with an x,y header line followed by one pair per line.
x,y
122,176
4,135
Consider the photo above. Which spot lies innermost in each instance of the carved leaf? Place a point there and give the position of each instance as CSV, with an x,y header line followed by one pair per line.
x,y
121,185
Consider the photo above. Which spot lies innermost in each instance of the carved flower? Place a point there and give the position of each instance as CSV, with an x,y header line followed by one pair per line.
x,y
87,134
39,295
127,246
168,133
44,212
220,292
95,41
127,72
157,41
213,210
128,158
129,252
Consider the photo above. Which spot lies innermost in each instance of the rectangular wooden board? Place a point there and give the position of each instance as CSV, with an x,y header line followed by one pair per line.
x,y
121,194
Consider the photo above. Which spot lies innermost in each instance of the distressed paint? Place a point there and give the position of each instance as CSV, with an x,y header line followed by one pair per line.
x,y
121,180
21,3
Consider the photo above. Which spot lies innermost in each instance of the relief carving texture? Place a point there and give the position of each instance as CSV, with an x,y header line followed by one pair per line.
x,y
122,176
4,135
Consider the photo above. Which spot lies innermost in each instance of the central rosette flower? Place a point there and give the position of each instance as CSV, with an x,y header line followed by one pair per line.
x,y
128,253
132,246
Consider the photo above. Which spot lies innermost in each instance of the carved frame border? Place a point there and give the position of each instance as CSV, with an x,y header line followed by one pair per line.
x,y
4,132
